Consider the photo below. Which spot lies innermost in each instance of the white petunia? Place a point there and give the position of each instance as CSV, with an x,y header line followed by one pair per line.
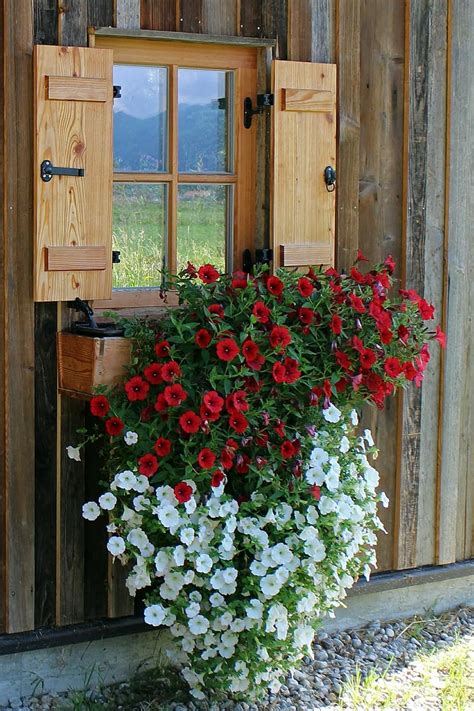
x,y
332,414
147,549
198,624
371,476
107,501
179,555
216,600
303,636
141,484
169,517
203,563
312,514
318,456
344,445
192,609
90,511
74,453
315,475
384,500
281,554
130,438
270,585
327,505
154,615
332,480
125,480
186,536
257,568
162,562
254,609
368,438
116,545
354,417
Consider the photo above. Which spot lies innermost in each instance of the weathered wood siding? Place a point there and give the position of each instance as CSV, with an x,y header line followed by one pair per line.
x,y
405,126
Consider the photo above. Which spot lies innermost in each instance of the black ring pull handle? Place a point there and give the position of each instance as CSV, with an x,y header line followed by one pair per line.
x,y
330,178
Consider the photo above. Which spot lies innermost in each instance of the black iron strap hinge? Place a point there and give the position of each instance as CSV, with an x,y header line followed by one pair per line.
x,y
264,101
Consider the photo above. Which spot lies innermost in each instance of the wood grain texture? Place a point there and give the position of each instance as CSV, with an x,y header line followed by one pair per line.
x,y
423,270
220,18
305,255
457,479
347,187
303,211
100,13
46,19
311,29
275,24
308,100
66,259
17,343
72,22
189,15
127,14
380,201
76,89
73,211
158,15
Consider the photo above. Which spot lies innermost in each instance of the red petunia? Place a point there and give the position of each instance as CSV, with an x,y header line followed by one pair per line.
x,y
250,349
153,373
217,478
357,303
360,257
386,337
357,276
146,413
280,337
237,402
213,401
190,422
99,406
409,371
292,371
207,414
367,358
238,422
202,338
280,428
257,363
390,263
305,287
343,360
208,274
227,349
403,334
206,458
162,446
137,388
287,449
274,286
148,465
440,337
426,310
170,371
316,492
243,461
114,426
174,395
305,316
336,324
227,458
392,367
161,404
239,280
191,270
261,312
216,310
162,349
183,492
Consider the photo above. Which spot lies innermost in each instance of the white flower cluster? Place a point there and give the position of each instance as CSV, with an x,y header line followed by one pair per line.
x,y
242,587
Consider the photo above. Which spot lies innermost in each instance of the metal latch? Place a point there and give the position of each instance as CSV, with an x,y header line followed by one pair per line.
x,y
330,178
264,101
48,170
117,91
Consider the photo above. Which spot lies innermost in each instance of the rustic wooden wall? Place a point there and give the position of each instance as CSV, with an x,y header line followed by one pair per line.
x,y
404,184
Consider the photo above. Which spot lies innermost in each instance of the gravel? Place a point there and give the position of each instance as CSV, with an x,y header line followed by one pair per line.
x,y
318,684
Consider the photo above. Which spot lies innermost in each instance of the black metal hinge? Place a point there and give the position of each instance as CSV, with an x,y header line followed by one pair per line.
x,y
117,91
264,101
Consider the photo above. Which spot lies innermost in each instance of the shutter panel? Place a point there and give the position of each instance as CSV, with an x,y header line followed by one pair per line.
x,y
73,214
303,144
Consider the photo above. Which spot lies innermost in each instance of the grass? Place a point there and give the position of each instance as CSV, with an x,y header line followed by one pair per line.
x,y
443,677
139,219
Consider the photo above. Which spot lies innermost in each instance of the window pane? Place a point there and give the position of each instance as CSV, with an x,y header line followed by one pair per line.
x,y
140,119
139,232
204,224
205,100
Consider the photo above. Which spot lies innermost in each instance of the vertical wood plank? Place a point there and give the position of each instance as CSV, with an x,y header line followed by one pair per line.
x,y
219,18
158,15
311,30
380,199
3,587
423,270
127,14
17,338
46,22
348,91
457,480
251,18
73,22
190,15
275,24
100,13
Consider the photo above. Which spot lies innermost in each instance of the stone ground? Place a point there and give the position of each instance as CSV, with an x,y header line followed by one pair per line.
x,y
416,664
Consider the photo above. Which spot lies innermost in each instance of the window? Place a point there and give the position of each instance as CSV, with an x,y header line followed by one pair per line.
x,y
184,165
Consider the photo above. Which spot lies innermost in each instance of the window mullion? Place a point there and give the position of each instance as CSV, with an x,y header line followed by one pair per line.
x,y
173,168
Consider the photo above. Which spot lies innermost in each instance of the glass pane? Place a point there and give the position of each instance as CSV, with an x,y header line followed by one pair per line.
x,y
204,224
140,119
205,100
139,232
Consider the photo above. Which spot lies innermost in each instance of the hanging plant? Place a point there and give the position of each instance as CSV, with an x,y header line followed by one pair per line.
x,y
239,488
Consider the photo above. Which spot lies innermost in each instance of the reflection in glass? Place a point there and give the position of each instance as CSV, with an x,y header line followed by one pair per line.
x,y
140,119
204,224
205,99
139,232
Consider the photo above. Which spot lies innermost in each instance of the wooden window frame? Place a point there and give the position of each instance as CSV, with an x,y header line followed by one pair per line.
x,y
192,52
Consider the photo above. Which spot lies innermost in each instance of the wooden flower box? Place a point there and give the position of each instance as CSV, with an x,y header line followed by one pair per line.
x,y
85,362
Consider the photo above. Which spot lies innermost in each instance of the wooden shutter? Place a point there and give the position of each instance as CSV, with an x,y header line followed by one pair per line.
x,y
73,214
303,145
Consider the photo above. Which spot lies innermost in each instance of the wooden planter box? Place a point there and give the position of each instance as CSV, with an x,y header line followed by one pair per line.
x,y
85,362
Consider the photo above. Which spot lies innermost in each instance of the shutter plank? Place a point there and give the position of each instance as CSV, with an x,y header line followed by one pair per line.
x,y
304,143
71,212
